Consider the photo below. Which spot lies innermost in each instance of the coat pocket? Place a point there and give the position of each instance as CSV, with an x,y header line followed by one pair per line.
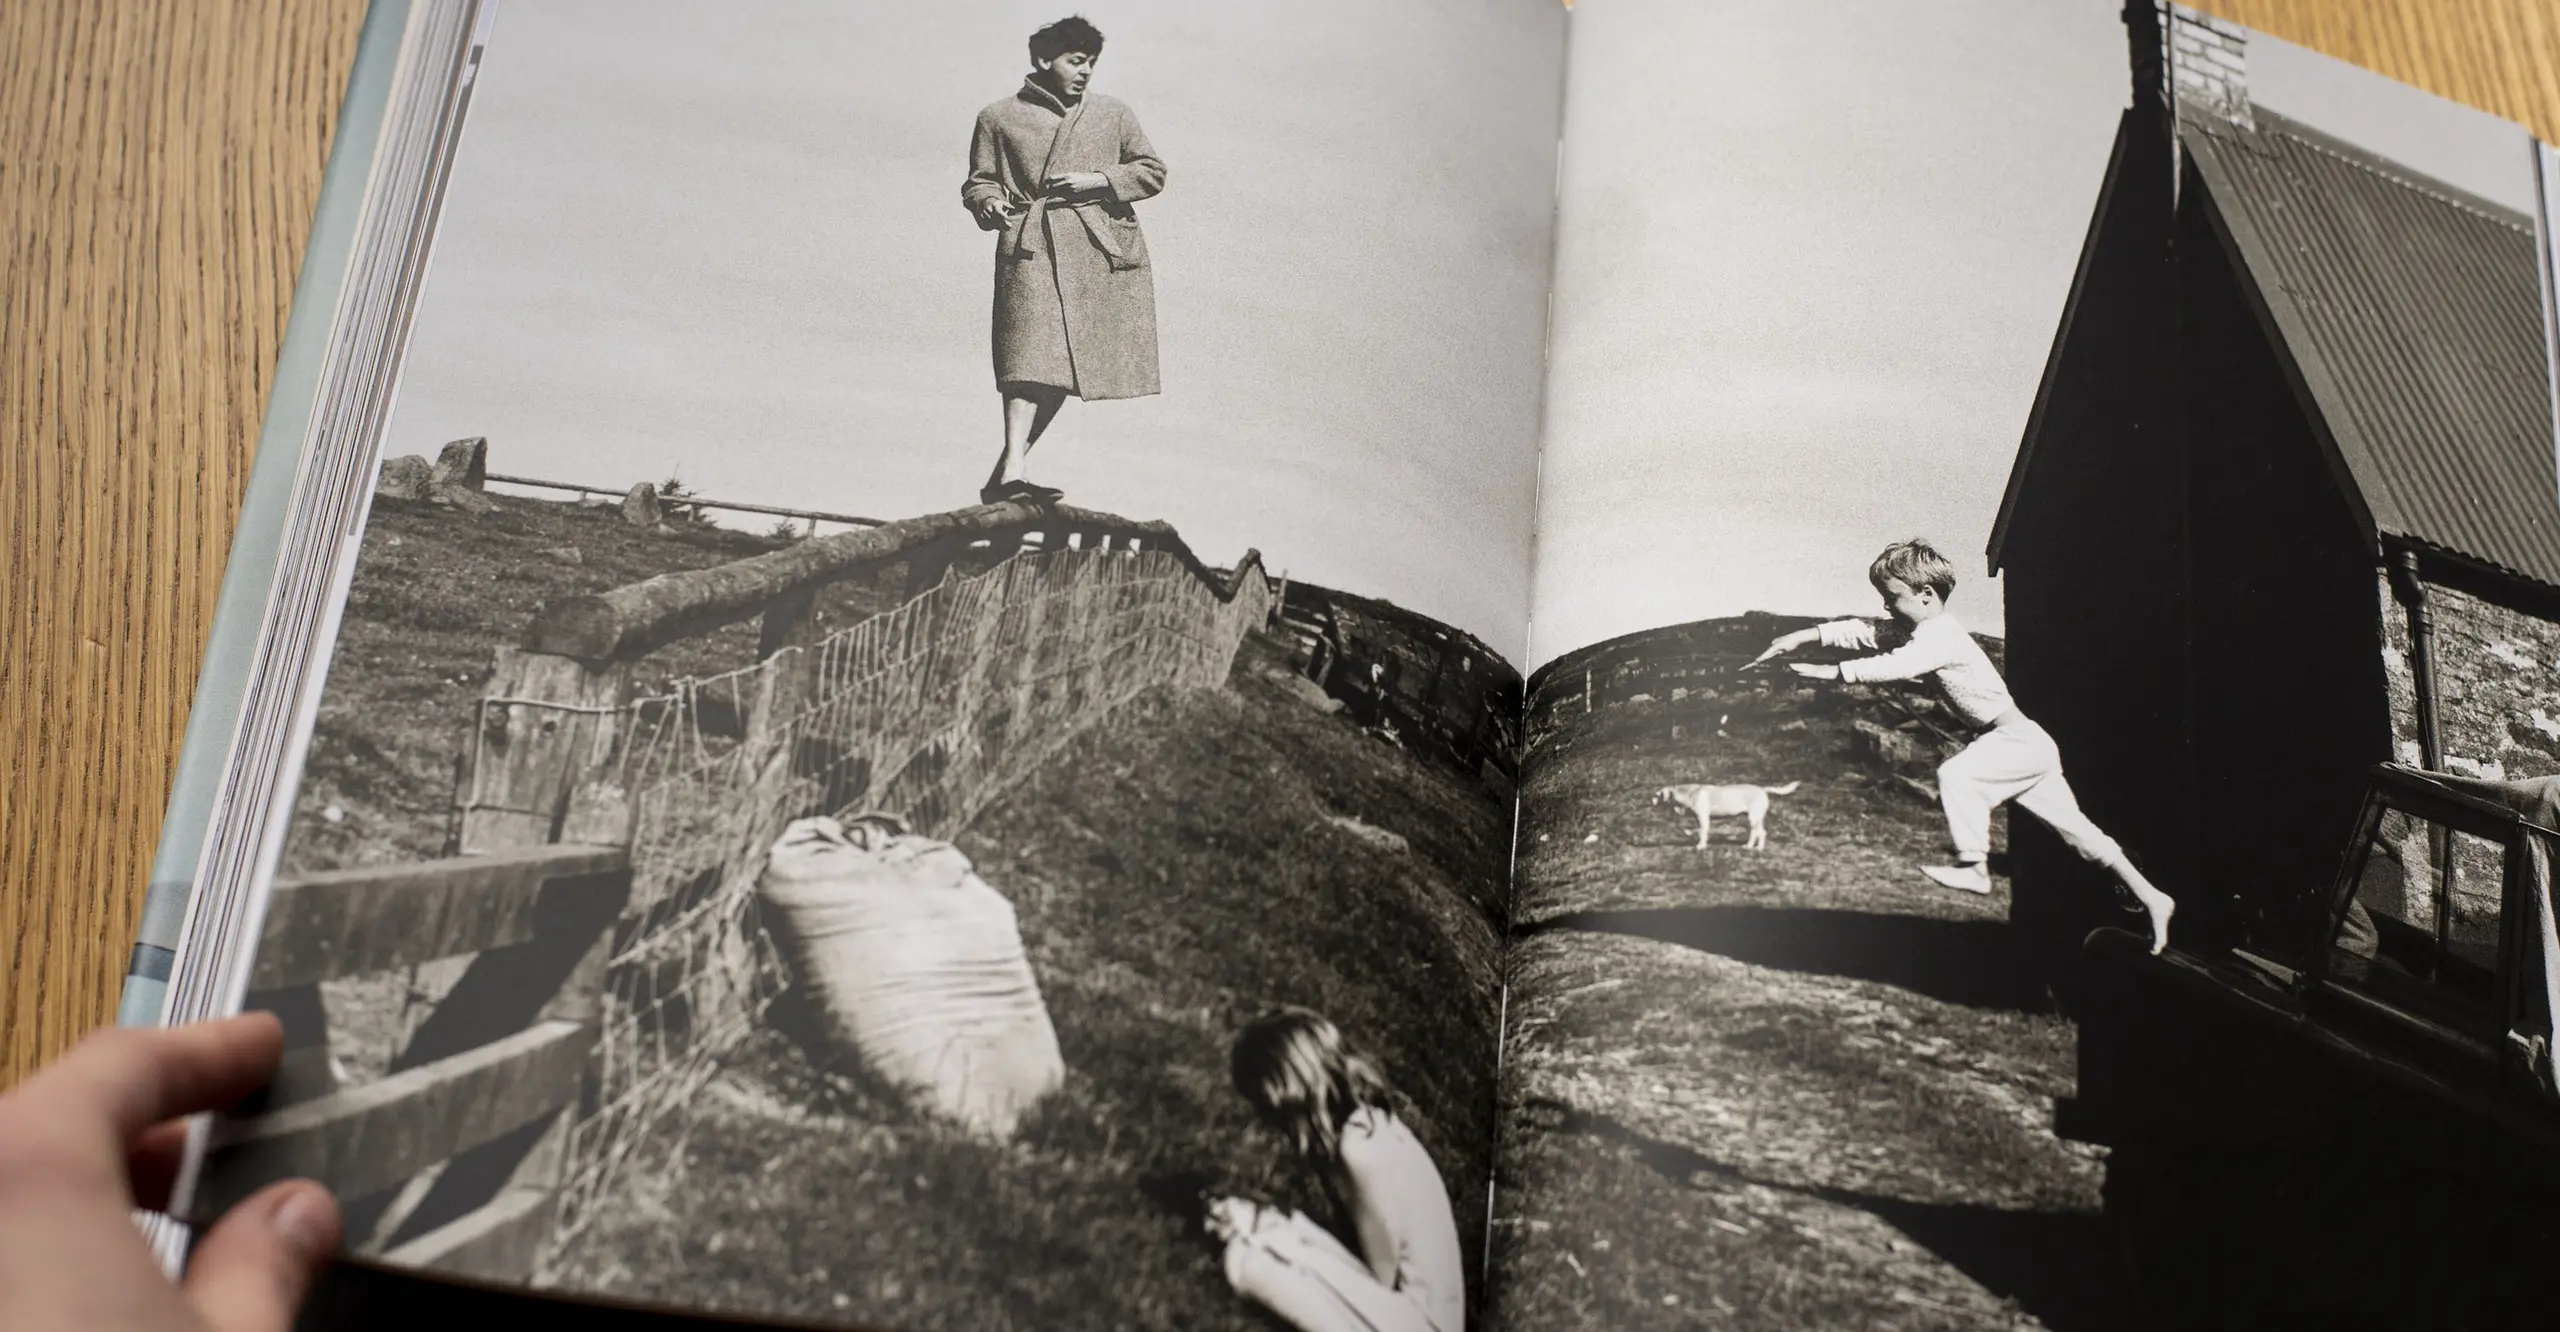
x,y
1125,237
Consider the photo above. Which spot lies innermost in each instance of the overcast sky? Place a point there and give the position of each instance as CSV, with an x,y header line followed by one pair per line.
x,y
725,242
1811,259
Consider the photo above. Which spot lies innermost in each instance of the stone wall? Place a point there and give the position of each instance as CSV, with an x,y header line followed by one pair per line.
x,y
2497,684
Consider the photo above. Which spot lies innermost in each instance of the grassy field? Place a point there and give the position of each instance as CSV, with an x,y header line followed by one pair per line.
x,y
436,593
1792,1089
1174,873
1173,878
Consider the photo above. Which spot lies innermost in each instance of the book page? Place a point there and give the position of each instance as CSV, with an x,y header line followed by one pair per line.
x,y
2212,376
923,731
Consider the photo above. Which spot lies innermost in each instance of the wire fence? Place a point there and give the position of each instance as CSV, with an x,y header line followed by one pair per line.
x,y
930,711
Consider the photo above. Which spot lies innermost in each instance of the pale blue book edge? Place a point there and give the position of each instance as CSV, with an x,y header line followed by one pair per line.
x,y
249,574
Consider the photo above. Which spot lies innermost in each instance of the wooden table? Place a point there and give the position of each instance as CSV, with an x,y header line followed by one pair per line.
x,y
159,162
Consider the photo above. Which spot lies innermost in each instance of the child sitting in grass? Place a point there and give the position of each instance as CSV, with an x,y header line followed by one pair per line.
x,y
2010,758
1330,1103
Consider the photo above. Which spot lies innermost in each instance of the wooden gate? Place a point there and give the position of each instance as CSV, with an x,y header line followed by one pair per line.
x,y
451,1159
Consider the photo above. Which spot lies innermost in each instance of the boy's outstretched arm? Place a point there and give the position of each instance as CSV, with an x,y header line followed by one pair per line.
x,y
1833,633
1783,644
1921,656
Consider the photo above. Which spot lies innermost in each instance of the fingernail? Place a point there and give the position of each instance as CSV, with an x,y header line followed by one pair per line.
x,y
306,1223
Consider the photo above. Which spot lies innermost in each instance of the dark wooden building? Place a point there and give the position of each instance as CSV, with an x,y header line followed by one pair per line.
x,y
2286,505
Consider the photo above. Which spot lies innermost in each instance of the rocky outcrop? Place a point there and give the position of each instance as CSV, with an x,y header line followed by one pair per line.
x,y
640,506
409,478
455,480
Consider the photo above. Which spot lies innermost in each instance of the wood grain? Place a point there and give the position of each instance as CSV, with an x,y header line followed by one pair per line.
x,y
377,917
159,162
368,1138
2502,56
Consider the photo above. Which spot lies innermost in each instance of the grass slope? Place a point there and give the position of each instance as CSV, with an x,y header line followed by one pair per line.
x,y
1173,877
1174,874
1797,1088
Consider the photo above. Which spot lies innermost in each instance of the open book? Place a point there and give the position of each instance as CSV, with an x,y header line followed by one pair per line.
x,y
929,666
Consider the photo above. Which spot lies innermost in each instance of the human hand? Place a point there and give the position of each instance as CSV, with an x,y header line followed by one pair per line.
x,y
1784,644
993,212
100,1132
1812,671
1077,182
1231,1217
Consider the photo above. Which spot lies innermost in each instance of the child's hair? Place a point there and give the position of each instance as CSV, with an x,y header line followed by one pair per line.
x,y
1072,33
1303,1078
1915,564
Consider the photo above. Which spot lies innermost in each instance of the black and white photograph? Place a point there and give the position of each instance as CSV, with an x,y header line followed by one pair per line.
x,y
2031,489
925,728
1467,664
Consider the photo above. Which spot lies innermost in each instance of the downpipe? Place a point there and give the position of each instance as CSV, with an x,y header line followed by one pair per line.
x,y
2422,654
2422,671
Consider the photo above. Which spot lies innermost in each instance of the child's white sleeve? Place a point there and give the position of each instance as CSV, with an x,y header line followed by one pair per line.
x,y
1926,653
1848,634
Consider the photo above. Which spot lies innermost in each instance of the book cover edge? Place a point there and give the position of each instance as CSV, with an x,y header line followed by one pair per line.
x,y
252,565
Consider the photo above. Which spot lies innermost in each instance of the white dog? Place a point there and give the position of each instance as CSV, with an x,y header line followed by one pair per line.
x,y
1751,802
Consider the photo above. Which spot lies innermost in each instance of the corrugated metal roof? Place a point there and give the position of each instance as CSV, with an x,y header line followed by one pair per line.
x,y
2414,312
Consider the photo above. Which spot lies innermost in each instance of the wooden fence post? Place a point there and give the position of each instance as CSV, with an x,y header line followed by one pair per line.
x,y
926,565
543,767
550,734
791,644
513,1181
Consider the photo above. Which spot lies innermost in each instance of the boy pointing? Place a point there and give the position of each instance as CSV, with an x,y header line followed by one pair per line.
x,y
2011,758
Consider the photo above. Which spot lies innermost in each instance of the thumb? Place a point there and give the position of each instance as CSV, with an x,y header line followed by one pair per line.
x,y
250,1273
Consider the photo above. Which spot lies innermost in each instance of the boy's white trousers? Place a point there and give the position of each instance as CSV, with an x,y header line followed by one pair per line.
x,y
2015,760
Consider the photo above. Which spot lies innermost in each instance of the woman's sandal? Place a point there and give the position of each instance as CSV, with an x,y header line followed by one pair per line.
x,y
1024,492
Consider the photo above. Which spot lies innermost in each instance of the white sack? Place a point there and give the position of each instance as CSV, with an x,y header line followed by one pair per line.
x,y
916,965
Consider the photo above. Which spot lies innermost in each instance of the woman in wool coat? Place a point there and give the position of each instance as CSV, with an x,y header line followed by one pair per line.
x,y
1053,171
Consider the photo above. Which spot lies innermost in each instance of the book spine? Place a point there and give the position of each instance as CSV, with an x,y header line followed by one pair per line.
x,y
250,571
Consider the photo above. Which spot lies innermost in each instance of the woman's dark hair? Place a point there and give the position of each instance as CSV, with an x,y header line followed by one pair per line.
x,y
1303,1078
1067,34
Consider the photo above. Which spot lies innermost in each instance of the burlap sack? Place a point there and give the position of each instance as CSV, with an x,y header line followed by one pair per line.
x,y
916,965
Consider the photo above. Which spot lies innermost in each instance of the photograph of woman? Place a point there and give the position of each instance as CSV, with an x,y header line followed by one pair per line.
x,y
1329,1102
1053,171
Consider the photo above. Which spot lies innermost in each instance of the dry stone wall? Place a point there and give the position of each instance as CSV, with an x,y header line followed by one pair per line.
x,y
2497,684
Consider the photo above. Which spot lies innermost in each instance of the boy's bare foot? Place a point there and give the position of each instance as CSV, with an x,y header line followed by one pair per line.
x,y
2160,911
1963,878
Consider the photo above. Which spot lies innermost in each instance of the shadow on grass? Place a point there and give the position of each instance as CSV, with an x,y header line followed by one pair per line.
x,y
1976,963
2063,1268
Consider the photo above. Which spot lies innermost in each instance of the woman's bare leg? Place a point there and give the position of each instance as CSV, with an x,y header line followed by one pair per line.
x,y
1296,1269
1052,400
1028,410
